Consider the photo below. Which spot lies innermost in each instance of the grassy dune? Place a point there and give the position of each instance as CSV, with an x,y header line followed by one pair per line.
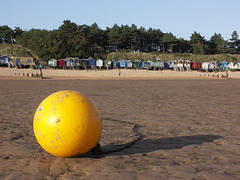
x,y
12,50
17,50
169,57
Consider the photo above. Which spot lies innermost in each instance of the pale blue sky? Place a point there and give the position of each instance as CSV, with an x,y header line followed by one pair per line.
x,y
181,17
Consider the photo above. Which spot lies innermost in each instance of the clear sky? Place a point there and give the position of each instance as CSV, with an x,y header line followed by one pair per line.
x,y
180,17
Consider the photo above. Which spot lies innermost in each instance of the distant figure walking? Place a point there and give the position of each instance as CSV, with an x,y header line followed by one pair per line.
x,y
119,73
226,72
40,68
41,74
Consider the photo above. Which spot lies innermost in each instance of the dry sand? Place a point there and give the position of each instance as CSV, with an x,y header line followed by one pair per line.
x,y
190,129
114,74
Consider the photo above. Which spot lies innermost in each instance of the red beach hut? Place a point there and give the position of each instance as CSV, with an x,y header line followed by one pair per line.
x,y
196,66
61,63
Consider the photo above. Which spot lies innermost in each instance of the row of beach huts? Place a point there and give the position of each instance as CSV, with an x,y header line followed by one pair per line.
x,y
152,64
181,65
91,63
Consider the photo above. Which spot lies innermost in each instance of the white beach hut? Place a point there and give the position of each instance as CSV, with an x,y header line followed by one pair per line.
x,y
159,64
52,63
180,65
205,66
233,66
187,65
129,64
99,63
238,65
210,66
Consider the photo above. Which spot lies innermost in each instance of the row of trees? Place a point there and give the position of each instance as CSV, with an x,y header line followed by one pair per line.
x,y
71,39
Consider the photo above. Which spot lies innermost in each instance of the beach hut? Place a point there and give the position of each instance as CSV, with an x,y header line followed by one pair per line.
x,y
129,64
156,64
210,66
83,63
121,64
61,63
187,65
205,66
145,65
233,66
77,62
91,62
52,63
222,65
99,63
23,62
70,63
73,63
159,64
107,64
114,63
179,65
169,65
196,66
152,64
5,61
136,64
238,65
213,66
172,64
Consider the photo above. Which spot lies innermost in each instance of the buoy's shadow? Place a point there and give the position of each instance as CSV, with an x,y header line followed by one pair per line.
x,y
150,145
139,144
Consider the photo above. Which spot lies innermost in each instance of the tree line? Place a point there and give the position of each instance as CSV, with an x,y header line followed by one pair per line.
x,y
83,41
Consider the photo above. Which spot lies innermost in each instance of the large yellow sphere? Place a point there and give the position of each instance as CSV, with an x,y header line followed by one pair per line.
x,y
67,124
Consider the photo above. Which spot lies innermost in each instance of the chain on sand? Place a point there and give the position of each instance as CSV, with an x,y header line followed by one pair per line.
x,y
97,150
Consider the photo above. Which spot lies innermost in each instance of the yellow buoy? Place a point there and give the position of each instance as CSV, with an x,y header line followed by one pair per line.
x,y
67,124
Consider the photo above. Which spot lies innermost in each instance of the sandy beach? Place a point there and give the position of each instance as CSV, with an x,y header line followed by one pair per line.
x,y
158,125
114,74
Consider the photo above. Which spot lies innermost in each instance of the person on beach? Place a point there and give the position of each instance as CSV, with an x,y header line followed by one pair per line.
x,y
226,72
40,68
119,73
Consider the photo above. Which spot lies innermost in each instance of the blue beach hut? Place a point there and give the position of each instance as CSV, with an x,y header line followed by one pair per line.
x,y
91,62
145,65
114,63
222,65
5,61
168,64
121,64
